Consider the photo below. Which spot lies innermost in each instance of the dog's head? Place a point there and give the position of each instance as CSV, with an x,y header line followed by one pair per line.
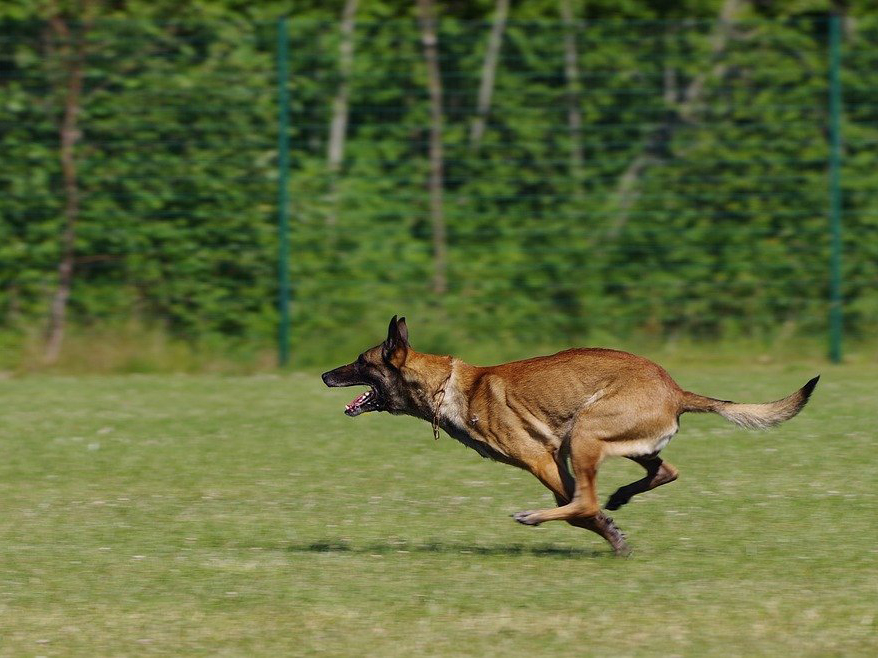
x,y
379,369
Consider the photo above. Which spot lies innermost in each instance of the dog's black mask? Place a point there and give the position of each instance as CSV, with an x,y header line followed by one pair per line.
x,y
376,368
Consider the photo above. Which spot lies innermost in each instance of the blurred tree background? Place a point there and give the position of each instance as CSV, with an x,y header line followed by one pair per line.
x,y
531,173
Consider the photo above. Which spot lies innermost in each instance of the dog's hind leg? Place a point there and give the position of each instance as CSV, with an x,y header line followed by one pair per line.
x,y
658,472
581,508
600,523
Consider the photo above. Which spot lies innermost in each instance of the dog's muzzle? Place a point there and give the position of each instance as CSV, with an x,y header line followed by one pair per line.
x,y
368,401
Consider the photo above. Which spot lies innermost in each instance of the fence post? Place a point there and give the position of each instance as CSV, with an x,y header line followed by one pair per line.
x,y
835,200
283,220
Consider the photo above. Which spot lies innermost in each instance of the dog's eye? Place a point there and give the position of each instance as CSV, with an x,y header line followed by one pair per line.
x,y
361,361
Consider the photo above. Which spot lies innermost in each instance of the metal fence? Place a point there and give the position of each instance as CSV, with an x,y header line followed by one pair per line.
x,y
518,180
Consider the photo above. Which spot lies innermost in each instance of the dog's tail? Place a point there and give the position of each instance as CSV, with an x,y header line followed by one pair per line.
x,y
752,416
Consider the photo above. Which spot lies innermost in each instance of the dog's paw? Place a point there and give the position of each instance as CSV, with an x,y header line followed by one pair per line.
x,y
622,551
527,518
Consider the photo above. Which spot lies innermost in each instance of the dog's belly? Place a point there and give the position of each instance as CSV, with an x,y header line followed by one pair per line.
x,y
639,447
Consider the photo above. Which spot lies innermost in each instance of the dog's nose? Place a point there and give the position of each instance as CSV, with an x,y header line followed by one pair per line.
x,y
325,377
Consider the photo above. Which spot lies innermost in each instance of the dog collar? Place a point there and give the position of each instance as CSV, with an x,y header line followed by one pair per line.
x,y
438,399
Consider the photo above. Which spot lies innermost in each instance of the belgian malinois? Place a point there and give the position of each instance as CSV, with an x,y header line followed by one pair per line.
x,y
581,404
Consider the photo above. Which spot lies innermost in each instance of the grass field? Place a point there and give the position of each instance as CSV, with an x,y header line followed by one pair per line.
x,y
200,515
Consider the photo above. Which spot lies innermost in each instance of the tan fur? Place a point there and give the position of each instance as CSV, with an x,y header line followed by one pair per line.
x,y
581,404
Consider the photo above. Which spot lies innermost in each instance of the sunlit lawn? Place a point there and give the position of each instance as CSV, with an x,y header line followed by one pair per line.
x,y
247,515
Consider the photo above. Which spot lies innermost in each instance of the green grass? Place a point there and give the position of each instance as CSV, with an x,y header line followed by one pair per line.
x,y
212,515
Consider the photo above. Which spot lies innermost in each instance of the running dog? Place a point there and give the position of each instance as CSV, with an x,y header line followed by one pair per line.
x,y
581,405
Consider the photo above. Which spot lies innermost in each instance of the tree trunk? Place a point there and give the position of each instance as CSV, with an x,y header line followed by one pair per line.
x,y
626,189
718,41
427,19
571,74
339,122
72,53
489,72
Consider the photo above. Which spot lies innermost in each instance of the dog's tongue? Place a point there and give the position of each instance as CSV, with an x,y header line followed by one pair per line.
x,y
354,408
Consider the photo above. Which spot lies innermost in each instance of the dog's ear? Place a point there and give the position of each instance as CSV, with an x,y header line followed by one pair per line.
x,y
391,330
395,348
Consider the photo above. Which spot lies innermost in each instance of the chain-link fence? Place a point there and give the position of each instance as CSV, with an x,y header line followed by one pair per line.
x,y
550,181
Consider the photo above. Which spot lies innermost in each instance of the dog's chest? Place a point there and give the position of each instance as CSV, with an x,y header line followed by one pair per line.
x,y
465,427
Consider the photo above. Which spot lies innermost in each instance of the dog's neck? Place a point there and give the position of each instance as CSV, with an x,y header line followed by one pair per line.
x,y
438,382
427,375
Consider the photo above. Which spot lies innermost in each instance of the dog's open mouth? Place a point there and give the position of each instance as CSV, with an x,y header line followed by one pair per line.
x,y
368,401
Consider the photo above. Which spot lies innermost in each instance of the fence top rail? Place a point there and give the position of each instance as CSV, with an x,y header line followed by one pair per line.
x,y
584,22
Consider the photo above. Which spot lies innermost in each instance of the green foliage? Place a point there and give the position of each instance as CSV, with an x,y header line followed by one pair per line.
x,y
175,169
718,134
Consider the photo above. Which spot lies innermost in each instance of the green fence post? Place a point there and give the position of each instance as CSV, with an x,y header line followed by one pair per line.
x,y
835,200
283,219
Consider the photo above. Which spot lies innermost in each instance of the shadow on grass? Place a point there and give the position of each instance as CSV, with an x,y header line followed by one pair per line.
x,y
509,550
